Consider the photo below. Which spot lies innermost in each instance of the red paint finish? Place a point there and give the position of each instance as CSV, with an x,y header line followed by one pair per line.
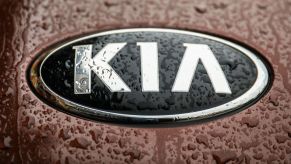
x,y
33,132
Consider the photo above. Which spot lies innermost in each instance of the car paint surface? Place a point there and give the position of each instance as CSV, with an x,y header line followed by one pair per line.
x,y
33,132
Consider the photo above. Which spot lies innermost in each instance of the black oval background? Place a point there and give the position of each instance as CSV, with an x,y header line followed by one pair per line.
x,y
240,71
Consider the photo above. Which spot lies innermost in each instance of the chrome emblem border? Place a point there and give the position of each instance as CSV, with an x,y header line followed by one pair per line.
x,y
259,87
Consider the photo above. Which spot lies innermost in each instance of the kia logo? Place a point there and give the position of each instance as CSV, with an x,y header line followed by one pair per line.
x,y
84,63
149,75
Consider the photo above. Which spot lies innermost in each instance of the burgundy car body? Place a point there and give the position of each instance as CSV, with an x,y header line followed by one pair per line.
x,y
33,132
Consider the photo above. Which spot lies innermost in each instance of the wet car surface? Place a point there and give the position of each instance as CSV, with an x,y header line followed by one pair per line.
x,y
33,132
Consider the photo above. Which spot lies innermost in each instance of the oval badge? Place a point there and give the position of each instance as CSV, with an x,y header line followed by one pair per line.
x,y
149,75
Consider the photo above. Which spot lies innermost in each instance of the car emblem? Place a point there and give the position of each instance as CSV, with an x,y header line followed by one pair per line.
x,y
149,75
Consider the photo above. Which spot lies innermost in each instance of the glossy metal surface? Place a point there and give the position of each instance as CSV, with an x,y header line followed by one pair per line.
x,y
112,80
